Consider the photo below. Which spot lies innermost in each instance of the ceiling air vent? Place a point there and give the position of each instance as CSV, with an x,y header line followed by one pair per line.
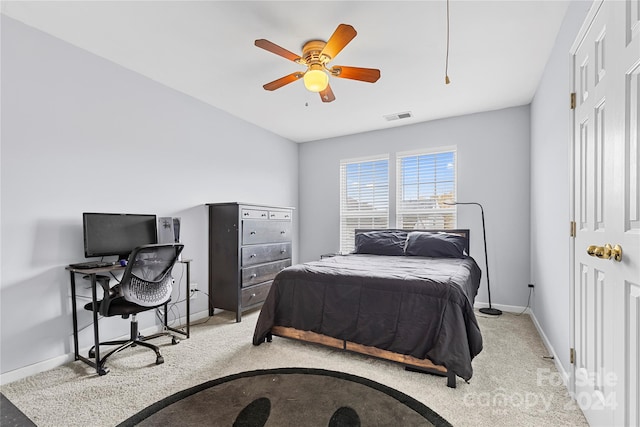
x,y
398,116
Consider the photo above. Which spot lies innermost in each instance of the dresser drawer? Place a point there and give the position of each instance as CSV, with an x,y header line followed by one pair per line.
x,y
254,214
262,272
256,232
255,294
258,254
285,215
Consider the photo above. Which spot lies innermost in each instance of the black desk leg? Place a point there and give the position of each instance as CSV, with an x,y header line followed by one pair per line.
x,y
76,351
188,295
99,369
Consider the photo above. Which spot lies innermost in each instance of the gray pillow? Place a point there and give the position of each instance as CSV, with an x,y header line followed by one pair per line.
x,y
435,245
381,242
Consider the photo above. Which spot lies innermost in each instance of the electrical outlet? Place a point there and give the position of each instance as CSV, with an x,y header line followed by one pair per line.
x,y
193,290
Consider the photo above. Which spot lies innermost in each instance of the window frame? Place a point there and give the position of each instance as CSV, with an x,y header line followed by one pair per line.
x,y
441,210
346,233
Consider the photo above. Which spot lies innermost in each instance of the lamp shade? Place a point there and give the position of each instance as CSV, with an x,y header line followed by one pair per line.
x,y
316,79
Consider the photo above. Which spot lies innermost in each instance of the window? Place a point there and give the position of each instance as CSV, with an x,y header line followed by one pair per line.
x,y
426,180
423,181
364,197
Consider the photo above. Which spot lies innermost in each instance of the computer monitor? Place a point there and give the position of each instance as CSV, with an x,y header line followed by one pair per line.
x,y
107,234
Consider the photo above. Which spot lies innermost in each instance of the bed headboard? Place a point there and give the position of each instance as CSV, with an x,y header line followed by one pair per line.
x,y
464,232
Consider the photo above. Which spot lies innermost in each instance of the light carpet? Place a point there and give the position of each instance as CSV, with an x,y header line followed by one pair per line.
x,y
513,385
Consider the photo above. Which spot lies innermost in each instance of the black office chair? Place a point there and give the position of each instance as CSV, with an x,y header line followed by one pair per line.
x,y
146,284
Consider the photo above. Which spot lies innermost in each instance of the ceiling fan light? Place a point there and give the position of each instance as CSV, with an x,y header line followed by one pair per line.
x,y
316,80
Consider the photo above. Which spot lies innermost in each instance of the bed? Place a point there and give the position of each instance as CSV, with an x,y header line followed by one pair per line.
x,y
405,296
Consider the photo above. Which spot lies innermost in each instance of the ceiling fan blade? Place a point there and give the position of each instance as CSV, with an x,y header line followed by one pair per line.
x,y
276,84
327,95
370,75
338,40
274,48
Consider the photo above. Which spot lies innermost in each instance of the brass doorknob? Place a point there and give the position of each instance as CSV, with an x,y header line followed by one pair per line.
x,y
606,252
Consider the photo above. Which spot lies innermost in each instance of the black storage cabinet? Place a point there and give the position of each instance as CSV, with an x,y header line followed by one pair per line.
x,y
248,245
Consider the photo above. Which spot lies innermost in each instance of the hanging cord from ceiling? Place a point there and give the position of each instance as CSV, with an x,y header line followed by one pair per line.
x,y
446,66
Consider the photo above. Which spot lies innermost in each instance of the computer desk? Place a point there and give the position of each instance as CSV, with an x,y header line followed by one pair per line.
x,y
92,273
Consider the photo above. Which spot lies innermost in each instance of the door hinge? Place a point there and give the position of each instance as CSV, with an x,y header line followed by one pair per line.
x,y
572,355
572,230
573,100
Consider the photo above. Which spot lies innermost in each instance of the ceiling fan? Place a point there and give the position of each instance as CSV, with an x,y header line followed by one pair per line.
x,y
316,54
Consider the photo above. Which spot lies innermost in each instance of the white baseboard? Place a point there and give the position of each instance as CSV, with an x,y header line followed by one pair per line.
x,y
27,371
507,308
564,374
45,365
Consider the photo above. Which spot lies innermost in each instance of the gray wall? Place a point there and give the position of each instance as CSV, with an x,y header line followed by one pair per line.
x,y
550,196
493,169
80,133
62,106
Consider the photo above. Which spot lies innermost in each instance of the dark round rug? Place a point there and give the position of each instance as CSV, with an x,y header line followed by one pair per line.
x,y
288,397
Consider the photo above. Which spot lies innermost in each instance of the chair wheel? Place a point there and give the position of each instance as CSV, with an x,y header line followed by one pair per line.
x,y
159,360
103,371
174,341
92,354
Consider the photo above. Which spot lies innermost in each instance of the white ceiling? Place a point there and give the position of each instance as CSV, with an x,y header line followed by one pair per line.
x,y
498,50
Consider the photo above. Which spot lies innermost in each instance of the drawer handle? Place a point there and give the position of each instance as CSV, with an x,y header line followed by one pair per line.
x,y
252,256
263,215
252,233
253,295
286,216
283,232
246,214
254,275
283,251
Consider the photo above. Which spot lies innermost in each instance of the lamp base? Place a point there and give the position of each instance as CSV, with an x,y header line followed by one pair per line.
x,y
491,311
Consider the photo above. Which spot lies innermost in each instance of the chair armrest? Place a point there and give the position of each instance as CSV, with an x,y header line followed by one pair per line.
x,y
108,293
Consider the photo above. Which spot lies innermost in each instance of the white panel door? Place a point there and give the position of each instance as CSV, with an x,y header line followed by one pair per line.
x,y
606,294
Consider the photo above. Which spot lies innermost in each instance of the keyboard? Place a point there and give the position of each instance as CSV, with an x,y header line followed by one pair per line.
x,y
91,264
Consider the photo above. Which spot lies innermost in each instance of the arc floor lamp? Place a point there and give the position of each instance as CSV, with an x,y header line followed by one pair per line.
x,y
486,310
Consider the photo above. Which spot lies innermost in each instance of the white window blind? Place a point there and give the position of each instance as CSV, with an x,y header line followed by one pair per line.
x,y
424,182
364,197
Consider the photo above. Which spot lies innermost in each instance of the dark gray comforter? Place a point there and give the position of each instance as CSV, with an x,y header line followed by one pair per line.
x,y
416,306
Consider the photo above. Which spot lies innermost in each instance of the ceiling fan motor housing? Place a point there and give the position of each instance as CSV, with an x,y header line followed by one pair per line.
x,y
311,53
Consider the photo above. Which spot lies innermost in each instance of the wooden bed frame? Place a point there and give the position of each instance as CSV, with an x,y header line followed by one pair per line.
x,y
411,363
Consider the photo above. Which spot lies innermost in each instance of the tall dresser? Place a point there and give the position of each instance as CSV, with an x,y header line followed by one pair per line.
x,y
248,245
